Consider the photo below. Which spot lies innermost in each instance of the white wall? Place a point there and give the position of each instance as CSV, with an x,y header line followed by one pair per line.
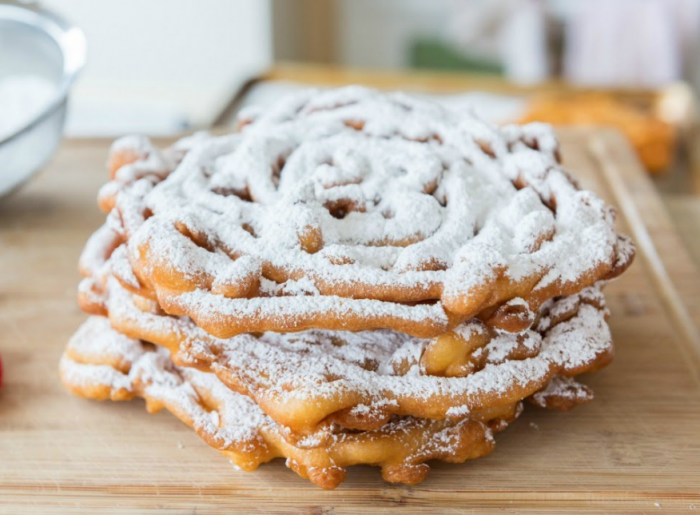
x,y
157,64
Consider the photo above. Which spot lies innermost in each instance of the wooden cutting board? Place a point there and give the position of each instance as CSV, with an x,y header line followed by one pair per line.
x,y
636,448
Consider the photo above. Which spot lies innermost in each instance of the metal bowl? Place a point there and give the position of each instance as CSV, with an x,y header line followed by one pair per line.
x,y
35,41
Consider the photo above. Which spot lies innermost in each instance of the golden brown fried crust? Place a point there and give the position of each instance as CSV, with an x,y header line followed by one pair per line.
x,y
307,389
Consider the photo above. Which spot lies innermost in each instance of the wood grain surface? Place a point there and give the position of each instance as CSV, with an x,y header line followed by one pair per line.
x,y
635,449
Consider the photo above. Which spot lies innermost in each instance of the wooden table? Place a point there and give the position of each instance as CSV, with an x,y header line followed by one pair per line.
x,y
635,449
685,212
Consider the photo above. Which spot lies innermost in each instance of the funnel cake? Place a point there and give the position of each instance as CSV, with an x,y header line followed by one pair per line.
x,y
311,380
356,210
102,364
353,278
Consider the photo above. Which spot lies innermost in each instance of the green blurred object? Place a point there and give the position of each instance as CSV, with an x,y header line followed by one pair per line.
x,y
434,54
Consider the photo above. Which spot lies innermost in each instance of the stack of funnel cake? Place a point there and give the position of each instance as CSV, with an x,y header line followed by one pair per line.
x,y
351,278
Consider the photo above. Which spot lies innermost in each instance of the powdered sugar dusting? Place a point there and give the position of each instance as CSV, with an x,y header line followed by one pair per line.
x,y
562,388
152,374
400,198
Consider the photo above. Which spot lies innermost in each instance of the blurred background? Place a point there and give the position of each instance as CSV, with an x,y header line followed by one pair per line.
x,y
162,67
